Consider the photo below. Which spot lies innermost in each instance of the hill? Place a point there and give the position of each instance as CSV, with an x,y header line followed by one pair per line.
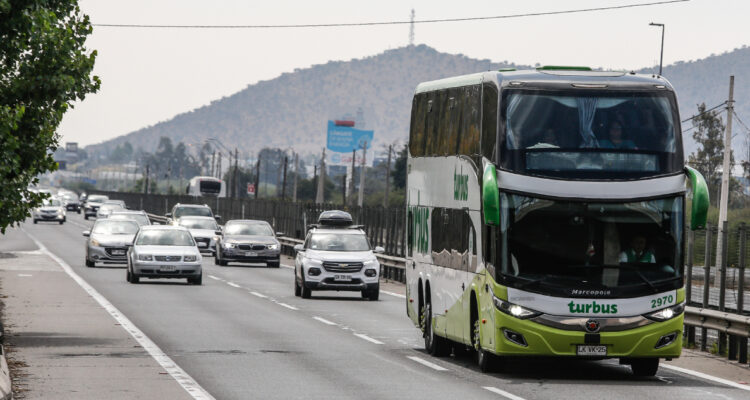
x,y
292,110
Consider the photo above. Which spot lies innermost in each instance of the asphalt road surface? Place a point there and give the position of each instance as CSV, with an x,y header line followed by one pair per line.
x,y
243,334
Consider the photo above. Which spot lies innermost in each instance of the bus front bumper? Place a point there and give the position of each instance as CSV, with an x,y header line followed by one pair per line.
x,y
542,340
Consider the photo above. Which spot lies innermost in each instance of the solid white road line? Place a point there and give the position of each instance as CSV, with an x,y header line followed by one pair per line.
x,y
502,393
706,376
325,321
232,284
427,363
189,384
288,306
287,266
369,339
262,296
401,296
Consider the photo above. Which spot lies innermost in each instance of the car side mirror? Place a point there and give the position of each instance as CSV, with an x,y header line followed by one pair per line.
x,y
299,247
168,215
279,233
217,233
379,250
217,218
86,233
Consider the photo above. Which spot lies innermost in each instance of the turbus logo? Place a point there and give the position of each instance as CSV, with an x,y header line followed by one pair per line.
x,y
460,185
592,308
420,228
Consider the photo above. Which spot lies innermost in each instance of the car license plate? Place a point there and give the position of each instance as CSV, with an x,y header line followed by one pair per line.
x,y
167,268
118,252
202,244
588,350
250,254
342,278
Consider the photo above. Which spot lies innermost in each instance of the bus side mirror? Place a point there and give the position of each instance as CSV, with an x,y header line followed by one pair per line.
x,y
490,196
699,211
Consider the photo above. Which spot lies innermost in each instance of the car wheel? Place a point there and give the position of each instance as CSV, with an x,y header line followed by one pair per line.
x,y
306,292
78,211
62,222
90,264
196,281
644,367
223,263
127,274
35,221
85,216
274,264
297,288
374,294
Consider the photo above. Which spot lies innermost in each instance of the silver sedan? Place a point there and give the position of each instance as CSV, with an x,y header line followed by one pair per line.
x,y
108,241
164,251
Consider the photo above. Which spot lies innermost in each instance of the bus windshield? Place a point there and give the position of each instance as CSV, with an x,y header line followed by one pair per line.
x,y
621,249
210,187
591,135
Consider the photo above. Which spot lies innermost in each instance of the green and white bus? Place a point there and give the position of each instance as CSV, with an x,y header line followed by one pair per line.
x,y
546,216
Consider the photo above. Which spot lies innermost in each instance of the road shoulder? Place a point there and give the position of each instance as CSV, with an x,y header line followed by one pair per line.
x,y
68,345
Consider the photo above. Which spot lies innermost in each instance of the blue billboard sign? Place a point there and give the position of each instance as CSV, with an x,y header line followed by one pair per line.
x,y
344,139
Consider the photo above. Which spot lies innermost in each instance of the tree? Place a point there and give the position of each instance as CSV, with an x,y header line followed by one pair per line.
x,y
44,68
709,157
399,169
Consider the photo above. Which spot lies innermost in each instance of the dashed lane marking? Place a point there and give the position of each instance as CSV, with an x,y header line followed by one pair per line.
x,y
186,381
369,339
325,321
287,306
706,376
215,278
287,266
262,296
427,363
232,284
502,393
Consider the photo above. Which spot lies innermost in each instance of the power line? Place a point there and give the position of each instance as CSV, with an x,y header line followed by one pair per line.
x,y
704,112
684,131
740,121
377,23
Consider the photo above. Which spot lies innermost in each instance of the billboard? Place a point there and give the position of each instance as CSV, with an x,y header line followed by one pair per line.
x,y
71,147
344,138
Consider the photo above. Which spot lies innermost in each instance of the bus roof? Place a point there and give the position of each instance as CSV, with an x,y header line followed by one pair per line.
x,y
553,78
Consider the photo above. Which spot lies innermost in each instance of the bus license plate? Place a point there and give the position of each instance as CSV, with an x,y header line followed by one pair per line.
x,y
587,350
342,278
167,268
250,254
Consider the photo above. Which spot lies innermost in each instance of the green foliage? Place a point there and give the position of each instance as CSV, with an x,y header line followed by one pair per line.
x,y
44,68
399,168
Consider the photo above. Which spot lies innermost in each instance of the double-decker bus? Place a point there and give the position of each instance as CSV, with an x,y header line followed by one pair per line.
x,y
546,216
206,186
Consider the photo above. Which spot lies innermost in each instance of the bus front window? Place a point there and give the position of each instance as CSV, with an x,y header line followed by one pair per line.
x,y
623,249
590,135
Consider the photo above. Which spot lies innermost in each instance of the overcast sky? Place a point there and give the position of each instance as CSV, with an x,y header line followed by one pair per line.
x,y
151,75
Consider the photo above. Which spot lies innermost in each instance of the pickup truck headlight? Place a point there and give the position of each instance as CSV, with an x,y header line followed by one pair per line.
x,y
145,257
190,258
514,309
666,313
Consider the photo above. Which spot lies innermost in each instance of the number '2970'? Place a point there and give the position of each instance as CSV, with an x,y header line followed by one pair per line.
x,y
662,301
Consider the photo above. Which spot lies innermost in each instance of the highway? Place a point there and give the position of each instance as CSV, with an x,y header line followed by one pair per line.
x,y
243,334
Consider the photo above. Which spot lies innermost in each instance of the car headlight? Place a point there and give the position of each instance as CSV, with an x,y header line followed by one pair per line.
x,y
60,212
666,313
229,245
514,309
145,257
273,246
374,261
314,261
95,243
190,258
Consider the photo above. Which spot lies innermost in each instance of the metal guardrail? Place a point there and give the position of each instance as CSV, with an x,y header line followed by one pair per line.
x,y
732,324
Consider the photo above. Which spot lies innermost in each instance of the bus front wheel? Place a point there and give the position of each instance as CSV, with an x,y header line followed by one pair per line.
x,y
644,366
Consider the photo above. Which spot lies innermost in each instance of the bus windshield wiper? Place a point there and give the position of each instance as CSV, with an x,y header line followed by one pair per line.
x,y
641,276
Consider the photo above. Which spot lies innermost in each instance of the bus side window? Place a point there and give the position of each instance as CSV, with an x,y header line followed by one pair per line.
x,y
470,132
418,125
409,232
431,127
489,120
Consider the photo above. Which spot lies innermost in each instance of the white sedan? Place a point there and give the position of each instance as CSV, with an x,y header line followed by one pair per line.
x,y
164,251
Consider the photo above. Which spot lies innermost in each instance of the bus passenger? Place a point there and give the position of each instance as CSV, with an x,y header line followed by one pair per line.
x,y
637,252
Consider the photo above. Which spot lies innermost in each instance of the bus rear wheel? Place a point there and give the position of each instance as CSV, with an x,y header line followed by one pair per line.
x,y
434,344
644,367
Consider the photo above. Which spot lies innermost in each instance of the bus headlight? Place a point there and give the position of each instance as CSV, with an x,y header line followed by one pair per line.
x,y
514,309
666,313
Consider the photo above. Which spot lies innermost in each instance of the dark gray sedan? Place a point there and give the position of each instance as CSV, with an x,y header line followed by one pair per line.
x,y
108,241
248,241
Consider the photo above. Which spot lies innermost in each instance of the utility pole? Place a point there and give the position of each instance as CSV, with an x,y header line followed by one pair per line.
x,y
213,160
283,184
145,188
296,174
343,189
257,177
235,189
725,174
320,196
218,166
362,175
350,187
387,177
